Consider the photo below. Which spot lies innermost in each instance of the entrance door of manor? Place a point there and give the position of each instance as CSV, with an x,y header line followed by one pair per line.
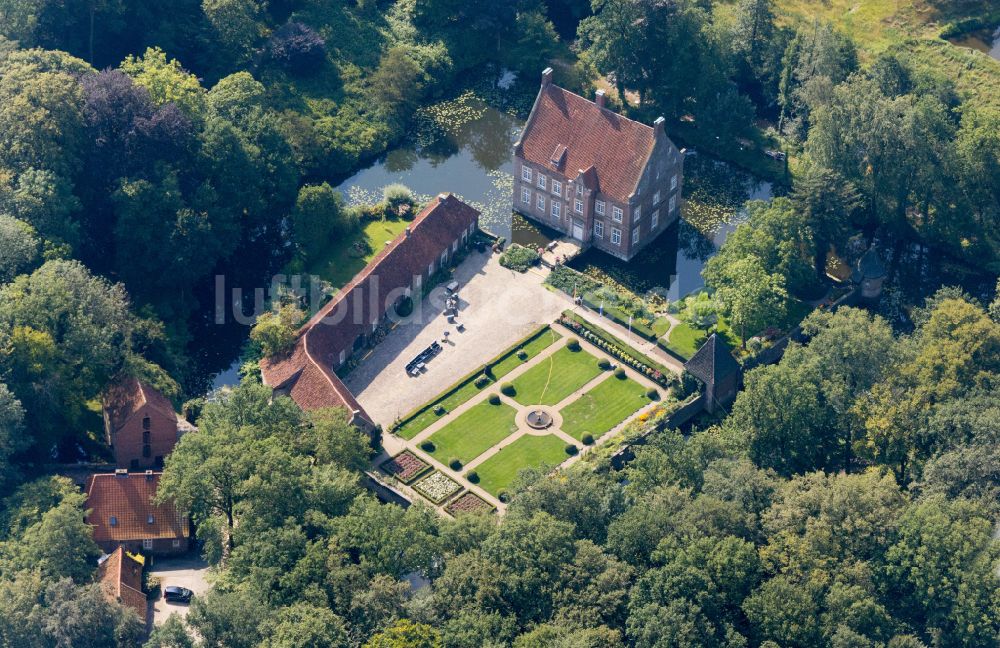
x,y
577,229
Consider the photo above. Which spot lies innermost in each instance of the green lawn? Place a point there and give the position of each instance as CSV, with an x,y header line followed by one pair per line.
x,y
532,348
497,472
504,364
473,432
603,407
341,260
685,339
660,325
554,379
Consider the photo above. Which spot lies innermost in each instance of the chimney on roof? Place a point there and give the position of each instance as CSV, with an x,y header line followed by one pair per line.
x,y
658,126
149,475
546,76
599,98
121,472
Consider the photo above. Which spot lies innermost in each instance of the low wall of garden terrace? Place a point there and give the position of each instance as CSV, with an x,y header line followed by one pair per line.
x,y
384,492
683,415
469,377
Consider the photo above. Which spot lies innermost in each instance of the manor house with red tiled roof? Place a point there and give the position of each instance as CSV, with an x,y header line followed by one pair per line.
x,y
352,320
594,175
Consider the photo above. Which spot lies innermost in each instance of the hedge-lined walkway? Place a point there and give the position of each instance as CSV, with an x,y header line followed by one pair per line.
x,y
462,432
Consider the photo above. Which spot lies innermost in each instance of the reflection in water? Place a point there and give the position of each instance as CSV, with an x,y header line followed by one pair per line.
x,y
983,40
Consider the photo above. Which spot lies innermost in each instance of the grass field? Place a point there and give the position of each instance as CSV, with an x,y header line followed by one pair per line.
x,y
497,472
469,435
341,261
603,407
685,339
504,365
550,381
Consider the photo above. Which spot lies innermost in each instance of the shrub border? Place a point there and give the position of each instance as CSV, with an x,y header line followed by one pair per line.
x,y
463,381
667,374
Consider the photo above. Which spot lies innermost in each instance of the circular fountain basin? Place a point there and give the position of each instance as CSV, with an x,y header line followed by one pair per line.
x,y
538,419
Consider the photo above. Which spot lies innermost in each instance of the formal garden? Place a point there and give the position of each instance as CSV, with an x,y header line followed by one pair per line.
x,y
578,389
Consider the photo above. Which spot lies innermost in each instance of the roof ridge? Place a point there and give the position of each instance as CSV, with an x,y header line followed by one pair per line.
x,y
603,108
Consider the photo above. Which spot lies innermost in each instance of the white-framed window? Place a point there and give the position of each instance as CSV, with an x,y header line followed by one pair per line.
x,y
635,235
147,543
656,197
673,203
454,245
430,268
599,229
579,189
444,260
616,214
654,219
556,187
175,543
526,195
556,208
616,236
542,180
540,201
578,206
341,356
526,173
637,212
673,182
599,207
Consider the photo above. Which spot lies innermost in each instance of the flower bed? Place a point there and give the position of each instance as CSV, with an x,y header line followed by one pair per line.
x,y
437,487
612,346
469,502
405,466
518,258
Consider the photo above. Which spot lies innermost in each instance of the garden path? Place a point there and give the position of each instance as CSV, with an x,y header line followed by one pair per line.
x,y
413,445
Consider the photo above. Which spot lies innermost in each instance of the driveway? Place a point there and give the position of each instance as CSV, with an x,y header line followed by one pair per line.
x,y
186,571
497,306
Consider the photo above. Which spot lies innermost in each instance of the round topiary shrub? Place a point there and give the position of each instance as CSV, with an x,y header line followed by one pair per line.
x,y
503,496
482,381
440,410
473,477
494,399
507,389
604,364
653,394
522,354
454,463
588,439
571,449
620,373
428,446
573,344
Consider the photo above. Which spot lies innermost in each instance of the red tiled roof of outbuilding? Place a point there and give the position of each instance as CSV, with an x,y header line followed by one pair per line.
x,y
128,497
120,577
617,147
126,397
305,370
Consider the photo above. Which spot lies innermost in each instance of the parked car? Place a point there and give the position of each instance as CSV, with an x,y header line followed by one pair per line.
x,y
177,594
775,155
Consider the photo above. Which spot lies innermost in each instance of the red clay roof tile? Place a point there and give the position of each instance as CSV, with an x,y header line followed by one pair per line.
x,y
617,147
129,499
120,577
305,370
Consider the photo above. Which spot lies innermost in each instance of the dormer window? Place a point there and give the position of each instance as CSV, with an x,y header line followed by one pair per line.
x,y
114,520
558,156
149,520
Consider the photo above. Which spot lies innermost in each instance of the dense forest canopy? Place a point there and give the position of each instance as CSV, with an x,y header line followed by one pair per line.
x,y
849,498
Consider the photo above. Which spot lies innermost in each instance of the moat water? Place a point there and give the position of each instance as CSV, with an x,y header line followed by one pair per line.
x,y
473,161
